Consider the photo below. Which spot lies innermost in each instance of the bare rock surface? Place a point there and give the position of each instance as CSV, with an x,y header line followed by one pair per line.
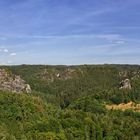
x,y
125,84
13,83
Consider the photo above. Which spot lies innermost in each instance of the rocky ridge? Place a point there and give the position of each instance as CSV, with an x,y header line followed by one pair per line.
x,y
51,75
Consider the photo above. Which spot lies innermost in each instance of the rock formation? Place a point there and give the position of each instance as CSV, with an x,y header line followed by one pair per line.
x,y
13,83
125,84
55,74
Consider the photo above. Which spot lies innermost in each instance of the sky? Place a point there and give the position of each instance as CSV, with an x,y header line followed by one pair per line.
x,y
69,32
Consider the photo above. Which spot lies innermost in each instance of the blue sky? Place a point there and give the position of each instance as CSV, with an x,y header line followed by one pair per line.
x,y
69,31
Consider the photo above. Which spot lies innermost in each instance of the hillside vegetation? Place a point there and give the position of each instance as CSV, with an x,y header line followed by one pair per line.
x,y
70,103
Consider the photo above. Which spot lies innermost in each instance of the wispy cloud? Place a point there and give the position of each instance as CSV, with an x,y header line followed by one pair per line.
x,y
109,36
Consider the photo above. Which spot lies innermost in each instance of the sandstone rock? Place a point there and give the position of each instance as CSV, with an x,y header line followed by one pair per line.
x,y
13,83
125,84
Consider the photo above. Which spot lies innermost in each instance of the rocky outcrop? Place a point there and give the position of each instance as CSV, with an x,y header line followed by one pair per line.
x,y
50,75
131,74
125,84
13,83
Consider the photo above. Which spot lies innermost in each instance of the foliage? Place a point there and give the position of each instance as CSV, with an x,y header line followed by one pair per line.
x,y
71,108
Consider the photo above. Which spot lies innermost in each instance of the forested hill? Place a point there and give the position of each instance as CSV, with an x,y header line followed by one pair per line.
x,y
86,102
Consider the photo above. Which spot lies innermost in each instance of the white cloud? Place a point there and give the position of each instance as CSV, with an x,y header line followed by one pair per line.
x,y
5,50
13,54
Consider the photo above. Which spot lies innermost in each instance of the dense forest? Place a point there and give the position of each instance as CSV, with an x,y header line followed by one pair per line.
x,y
69,103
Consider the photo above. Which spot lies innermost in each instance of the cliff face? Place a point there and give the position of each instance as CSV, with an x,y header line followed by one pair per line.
x,y
13,83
